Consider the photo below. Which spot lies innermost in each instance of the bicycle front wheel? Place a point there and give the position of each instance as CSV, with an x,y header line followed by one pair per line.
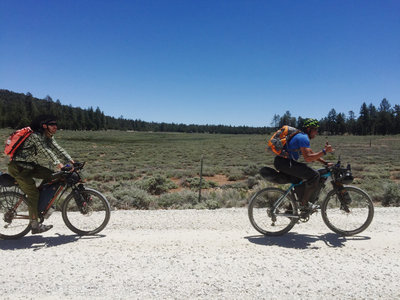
x,y
350,218
87,213
267,220
14,215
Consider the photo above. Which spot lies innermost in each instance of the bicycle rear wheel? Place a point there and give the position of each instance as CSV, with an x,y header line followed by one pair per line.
x,y
86,214
348,219
267,221
14,215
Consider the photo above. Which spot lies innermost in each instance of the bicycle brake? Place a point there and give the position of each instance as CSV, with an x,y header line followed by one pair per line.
x,y
345,208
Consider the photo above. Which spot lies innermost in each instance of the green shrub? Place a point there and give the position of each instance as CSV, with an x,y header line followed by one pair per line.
x,y
194,183
391,196
226,198
251,170
235,174
180,200
156,185
208,204
126,197
253,181
207,171
235,185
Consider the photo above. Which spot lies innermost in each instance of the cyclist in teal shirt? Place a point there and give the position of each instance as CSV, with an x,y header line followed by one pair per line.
x,y
300,140
300,145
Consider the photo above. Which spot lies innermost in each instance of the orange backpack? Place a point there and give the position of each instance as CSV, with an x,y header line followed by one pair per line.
x,y
281,138
15,140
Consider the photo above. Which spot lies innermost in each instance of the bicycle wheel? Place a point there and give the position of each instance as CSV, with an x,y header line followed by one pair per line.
x,y
267,221
87,215
14,215
349,219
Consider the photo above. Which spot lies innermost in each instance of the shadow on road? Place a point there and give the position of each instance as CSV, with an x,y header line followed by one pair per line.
x,y
304,241
37,242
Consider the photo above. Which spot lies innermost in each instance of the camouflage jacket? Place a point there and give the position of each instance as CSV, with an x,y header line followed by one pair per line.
x,y
39,149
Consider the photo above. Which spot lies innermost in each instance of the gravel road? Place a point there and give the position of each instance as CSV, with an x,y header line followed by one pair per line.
x,y
203,254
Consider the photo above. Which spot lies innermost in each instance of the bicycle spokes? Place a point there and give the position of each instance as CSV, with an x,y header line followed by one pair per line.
x,y
14,215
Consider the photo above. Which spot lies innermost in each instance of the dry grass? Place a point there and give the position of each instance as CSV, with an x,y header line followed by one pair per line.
x,y
123,158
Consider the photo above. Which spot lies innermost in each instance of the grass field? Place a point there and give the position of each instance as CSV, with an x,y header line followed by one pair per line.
x,y
161,170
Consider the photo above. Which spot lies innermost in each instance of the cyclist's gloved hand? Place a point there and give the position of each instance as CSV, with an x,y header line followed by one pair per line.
x,y
67,168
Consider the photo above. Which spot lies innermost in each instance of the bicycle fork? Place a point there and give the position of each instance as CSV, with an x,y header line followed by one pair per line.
x,y
79,199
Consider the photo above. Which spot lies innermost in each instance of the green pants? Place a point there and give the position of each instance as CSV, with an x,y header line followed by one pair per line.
x,y
25,179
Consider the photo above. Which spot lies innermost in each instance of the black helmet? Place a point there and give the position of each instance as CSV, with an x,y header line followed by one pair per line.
x,y
37,123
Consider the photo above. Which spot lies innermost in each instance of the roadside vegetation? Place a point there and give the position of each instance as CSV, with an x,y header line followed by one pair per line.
x,y
146,170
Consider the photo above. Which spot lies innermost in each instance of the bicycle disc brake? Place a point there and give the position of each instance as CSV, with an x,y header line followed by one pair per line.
x,y
272,216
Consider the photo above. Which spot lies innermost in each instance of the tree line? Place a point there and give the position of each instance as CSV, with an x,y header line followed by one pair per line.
x,y
18,110
371,120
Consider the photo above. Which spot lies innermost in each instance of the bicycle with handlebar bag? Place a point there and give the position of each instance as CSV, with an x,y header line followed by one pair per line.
x,y
346,210
85,211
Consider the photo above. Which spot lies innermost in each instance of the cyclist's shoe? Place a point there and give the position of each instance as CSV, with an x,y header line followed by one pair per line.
x,y
41,228
309,208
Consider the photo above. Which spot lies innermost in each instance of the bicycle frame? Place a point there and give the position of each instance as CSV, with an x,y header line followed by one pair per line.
x,y
65,184
56,196
291,187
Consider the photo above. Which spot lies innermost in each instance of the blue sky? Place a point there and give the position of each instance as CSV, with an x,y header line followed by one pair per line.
x,y
204,62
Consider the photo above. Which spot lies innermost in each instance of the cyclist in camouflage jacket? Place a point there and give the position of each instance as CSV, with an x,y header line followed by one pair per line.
x,y
38,149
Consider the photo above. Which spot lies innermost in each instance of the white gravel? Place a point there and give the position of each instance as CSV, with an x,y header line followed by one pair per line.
x,y
203,254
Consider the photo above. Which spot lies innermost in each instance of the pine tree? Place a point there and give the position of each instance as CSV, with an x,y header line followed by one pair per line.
x,y
364,120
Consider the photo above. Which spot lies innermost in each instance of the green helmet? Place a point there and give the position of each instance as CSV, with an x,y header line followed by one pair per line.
x,y
310,123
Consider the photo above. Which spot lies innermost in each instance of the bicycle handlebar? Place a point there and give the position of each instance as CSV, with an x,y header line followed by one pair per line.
x,y
68,169
75,166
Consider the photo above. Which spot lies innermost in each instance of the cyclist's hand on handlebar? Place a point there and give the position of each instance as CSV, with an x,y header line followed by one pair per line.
x,y
67,168
328,148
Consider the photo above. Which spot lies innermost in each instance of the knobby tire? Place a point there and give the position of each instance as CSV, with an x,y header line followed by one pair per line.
x,y
18,225
91,222
261,217
359,217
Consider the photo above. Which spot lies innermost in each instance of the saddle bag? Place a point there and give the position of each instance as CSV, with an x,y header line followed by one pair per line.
x,y
274,176
6,180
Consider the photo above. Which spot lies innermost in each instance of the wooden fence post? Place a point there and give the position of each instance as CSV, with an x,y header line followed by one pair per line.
x,y
201,177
